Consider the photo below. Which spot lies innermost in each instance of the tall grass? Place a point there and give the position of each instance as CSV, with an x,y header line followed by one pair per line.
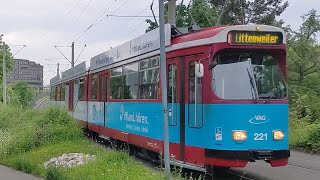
x,y
29,129
29,138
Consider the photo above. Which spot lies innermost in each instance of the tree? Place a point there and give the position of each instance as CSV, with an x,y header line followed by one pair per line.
x,y
303,48
199,12
9,59
256,11
206,12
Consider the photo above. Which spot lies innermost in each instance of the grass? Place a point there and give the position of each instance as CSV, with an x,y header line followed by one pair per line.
x,y
30,138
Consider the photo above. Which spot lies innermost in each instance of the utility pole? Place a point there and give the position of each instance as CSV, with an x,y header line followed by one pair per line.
x,y
58,69
4,78
164,89
72,55
243,11
172,12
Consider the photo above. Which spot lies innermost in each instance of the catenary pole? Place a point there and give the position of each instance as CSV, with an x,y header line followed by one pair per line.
x,y
72,54
172,12
164,89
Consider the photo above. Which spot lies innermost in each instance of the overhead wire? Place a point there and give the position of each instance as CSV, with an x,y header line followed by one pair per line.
x,y
99,22
139,25
91,24
78,18
59,21
81,33
104,36
54,26
80,53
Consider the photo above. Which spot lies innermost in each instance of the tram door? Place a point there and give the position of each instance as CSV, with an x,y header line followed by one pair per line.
x,y
71,96
174,107
103,93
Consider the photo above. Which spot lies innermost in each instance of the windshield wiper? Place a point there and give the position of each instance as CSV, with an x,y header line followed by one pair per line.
x,y
253,92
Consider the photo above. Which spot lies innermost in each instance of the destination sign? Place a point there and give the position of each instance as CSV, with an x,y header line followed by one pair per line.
x,y
255,38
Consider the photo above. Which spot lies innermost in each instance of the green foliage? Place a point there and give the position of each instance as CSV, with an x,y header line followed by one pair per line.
x,y
19,94
206,13
303,48
197,12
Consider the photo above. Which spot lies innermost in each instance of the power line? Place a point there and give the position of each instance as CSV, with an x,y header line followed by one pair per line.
x,y
122,24
84,10
128,16
139,25
60,20
99,21
81,33
81,52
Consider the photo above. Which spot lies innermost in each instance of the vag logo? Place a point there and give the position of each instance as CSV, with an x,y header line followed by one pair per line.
x,y
259,119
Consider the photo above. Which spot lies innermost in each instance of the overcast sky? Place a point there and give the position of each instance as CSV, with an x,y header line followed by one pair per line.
x,y
43,24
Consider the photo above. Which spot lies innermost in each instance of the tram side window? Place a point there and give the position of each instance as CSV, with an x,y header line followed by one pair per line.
x,y
172,83
116,83
149,78
81,89
94,86
131,82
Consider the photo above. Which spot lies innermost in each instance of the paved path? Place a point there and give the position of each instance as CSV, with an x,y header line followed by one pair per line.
x,y
10,174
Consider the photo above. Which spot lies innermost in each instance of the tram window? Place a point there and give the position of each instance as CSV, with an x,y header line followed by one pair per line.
x,y
52,93
116,83
195,106
192,83
58,93
81,89
149,78
63,92
172,83
131,82
94,86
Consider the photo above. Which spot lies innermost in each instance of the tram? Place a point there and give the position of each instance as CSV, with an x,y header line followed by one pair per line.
x,y
227,95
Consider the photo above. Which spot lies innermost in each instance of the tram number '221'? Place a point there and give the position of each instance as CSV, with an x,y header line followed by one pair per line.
x,y
260,136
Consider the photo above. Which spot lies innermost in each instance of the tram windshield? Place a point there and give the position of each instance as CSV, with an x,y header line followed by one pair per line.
x,y
248,76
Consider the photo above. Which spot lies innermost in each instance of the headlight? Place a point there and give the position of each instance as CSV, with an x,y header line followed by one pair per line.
x,y
278,135
239,135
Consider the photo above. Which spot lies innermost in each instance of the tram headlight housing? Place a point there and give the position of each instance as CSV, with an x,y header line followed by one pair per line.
x,y
278,135
239,135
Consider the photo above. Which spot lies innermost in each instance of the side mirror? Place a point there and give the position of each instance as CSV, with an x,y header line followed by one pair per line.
x,y
199,70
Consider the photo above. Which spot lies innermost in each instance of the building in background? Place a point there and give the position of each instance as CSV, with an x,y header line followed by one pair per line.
x,y
27,71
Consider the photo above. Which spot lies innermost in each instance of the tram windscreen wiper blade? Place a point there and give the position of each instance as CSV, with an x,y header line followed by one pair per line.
x,y
252,85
